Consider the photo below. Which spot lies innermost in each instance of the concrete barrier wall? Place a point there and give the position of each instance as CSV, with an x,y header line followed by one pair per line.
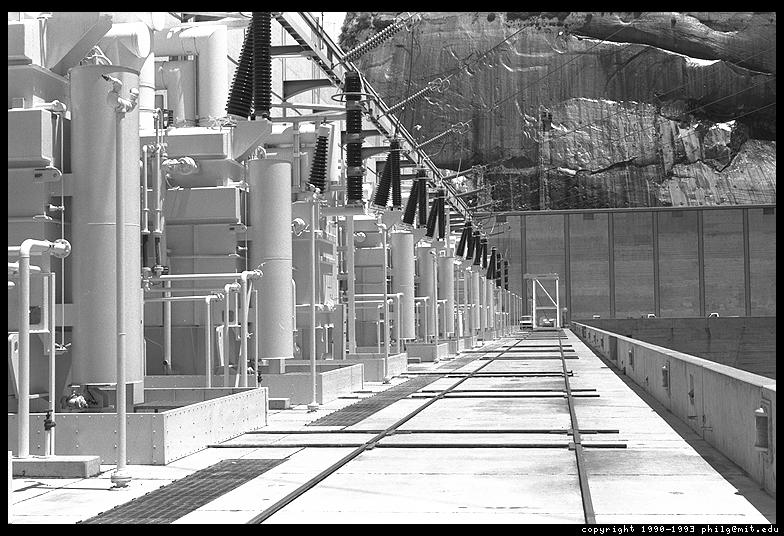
x,y
628,262
716,401
746,343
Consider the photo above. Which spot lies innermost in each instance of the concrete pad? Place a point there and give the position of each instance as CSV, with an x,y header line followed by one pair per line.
x,y
488,439
438,518
492,414
457,461
488,384
57,466
388,416
406,494
522,365
668,495
282,440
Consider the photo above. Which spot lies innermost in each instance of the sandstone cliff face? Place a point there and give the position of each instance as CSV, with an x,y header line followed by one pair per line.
x,y
640,108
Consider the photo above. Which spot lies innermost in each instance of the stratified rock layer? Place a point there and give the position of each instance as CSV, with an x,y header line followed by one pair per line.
x,y
635,121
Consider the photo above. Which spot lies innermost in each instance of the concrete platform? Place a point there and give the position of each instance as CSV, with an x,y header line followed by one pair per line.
x,y
478,459
374,364
428,352
57,466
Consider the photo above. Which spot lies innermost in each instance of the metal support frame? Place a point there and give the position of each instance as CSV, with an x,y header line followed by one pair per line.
x,y
536,280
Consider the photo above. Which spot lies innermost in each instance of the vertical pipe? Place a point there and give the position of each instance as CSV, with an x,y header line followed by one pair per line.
x,y
167,319
145,185
557,305
243,360
208,340
475,302
383,229
434,295
52,395
446,290
227,310
256,308
533,304
402,252
120,478
313,263
351,325
23,411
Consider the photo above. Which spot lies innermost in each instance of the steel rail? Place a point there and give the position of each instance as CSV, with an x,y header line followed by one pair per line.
x,y
585,491
368,445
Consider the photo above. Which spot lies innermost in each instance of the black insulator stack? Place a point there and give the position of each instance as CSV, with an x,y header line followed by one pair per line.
x,y
422,200
241,92
411,205
491,266
382,190
374,41
441,215
352,86
318,170
432,218
261,26
506,274
461,244
484,252
393,160
477,249
469,241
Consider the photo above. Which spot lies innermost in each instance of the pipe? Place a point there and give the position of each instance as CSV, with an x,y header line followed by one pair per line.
x,y
52,396
121,106
350,284
402,252
209,44
383,230
178,79
167,320
145,186
61,249
313,406
245,277
228,290
159,194
129,44
434,261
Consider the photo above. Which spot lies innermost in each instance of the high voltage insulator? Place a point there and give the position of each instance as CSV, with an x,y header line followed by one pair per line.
x,y
382,190
422,193
490,275
394,161
461,244
262,62
441,214
379,38
355,172
469,240
318,171
458,128
411,205
431,218
241,92
477,249
506,274
484,251
438,84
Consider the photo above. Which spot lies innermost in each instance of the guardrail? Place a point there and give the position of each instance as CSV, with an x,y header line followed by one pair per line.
x,y
733,410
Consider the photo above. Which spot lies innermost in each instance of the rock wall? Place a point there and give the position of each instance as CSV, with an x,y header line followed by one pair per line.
x,y
642,109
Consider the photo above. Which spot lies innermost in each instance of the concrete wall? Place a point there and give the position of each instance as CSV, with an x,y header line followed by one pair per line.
x,y
626,263
746,343
716,401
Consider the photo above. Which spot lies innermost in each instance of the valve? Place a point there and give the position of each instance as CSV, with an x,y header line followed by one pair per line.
x,y
48,421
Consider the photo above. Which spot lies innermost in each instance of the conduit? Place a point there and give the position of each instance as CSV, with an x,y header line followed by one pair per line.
x,y
209,44
60,249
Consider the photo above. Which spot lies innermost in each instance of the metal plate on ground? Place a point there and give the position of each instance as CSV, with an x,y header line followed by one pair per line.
x,y
183,496
365,408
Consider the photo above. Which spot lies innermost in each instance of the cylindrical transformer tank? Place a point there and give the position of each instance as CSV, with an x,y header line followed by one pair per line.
x,y
402,244
427,285
446,290
476,287
93,217
270,234
490,300
483,302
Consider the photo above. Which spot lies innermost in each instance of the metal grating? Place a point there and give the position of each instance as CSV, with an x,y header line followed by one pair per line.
x,y
368,406
183,496
456,363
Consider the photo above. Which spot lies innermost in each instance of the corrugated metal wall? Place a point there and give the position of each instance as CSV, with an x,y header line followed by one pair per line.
x,y
626,263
